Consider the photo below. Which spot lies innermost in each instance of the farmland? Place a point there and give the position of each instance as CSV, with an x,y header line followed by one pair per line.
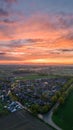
x,y
22,120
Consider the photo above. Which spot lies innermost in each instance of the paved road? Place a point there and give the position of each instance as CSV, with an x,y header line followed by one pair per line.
x,y
22,120
48,118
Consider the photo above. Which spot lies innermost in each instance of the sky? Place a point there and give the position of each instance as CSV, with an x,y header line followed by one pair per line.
x,y
36,32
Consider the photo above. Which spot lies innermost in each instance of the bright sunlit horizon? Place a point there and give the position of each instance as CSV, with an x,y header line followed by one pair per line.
x,y
36,32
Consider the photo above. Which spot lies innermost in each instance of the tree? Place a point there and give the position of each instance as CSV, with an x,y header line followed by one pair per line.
x,y
54,99
13,96
58,94
44,97
34,108
61,100
44,109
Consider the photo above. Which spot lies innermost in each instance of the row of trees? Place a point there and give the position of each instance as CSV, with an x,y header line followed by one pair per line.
x,y
57,97
62,95
35,108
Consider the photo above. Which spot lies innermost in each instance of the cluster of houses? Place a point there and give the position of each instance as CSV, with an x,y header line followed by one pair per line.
x,y
14,106
7,102
39,91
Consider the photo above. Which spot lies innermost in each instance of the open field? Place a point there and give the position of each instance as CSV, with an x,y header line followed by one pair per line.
x,y
64,115
22,120
33,77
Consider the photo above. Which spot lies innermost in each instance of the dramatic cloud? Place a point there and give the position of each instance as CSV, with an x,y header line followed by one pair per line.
x,y
69,36
10,1
8,21
34,36
5,8
3,12
2,53
66,50
65,20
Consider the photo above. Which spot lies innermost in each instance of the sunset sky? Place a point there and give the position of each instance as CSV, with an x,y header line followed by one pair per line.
x,y
36,31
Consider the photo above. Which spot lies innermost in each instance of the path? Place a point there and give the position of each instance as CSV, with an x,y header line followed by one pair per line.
x,y
48,118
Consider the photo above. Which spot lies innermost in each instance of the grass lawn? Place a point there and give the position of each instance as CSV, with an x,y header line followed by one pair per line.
x,y
34,76
64,115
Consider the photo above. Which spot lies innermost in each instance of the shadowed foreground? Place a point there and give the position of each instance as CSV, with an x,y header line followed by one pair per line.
x,y
22,120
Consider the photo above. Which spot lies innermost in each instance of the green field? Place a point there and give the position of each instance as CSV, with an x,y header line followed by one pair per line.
x,y
64,115
34,76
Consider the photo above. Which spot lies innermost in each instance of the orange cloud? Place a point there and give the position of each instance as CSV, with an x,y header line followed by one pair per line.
x,y
38,39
